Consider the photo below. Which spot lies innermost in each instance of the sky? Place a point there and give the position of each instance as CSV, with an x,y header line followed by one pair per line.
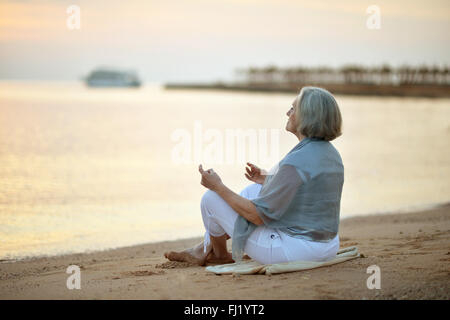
x,y
208,40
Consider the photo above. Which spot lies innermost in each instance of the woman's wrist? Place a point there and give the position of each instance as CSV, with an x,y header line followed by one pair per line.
x,y
219,188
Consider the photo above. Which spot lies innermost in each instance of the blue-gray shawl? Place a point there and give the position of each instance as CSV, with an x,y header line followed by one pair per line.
x,y
301,198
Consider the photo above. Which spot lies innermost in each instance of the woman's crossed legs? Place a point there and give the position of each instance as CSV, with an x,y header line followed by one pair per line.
x,y
264,245
218,219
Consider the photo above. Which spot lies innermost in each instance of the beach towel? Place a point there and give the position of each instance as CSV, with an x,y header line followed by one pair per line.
x,y
254,267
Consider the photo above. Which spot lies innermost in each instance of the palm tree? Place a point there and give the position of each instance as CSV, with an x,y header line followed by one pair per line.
x,y
269,73
386,73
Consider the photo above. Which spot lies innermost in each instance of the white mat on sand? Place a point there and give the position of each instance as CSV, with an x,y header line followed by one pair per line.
x,y
253,267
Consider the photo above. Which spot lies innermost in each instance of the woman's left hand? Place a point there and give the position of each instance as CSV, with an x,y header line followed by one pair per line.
x,y
210,179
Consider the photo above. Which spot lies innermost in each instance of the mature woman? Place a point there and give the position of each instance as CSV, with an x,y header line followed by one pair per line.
x,y
290,214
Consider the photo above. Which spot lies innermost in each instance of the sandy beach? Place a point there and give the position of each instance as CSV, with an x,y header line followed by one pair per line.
x,y
411,249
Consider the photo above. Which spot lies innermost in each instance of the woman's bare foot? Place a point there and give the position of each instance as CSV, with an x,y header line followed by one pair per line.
x,y
194,255
213,259
184,256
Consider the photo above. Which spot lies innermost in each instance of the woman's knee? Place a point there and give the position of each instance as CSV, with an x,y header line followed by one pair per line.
x,y
251,191
209,197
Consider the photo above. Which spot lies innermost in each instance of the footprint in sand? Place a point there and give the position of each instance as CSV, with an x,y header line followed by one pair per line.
x,y
142,273
174,264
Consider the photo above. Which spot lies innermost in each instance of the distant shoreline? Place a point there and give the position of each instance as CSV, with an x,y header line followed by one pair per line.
x,y
416,90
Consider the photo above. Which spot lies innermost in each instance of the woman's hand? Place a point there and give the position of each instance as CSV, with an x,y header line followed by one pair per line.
x,y
254,173
241,205
210,179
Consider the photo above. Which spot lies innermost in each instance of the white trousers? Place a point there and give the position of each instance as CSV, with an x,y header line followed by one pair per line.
x,y
264,245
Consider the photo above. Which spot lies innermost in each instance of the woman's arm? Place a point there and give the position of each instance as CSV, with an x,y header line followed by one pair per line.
x,y
241,205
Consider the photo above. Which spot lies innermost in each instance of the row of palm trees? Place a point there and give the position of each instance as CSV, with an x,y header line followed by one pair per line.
x,y
348,74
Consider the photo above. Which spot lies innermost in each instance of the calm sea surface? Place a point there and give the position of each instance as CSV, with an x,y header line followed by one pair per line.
x,y
89,169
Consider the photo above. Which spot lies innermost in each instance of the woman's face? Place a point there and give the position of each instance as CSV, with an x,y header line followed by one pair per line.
x,y
291,124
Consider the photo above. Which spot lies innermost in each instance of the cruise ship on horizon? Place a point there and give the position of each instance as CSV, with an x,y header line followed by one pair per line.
x,y
104,77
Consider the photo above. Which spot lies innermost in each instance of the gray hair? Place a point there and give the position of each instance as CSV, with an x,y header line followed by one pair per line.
x,y
318,114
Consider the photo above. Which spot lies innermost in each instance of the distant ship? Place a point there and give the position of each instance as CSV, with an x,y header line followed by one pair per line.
x,y
112,78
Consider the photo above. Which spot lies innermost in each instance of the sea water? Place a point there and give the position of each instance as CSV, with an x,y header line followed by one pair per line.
x,y
90,169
